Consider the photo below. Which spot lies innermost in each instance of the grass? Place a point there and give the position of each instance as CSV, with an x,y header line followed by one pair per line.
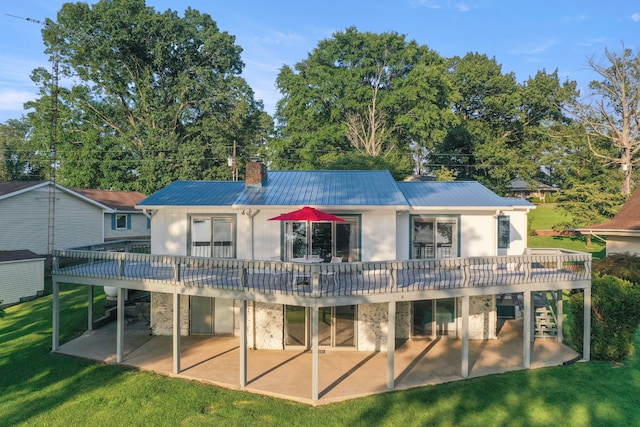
x,y
40,388
545,216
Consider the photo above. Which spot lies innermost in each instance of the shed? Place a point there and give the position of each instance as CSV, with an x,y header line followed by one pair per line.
x,y
21,276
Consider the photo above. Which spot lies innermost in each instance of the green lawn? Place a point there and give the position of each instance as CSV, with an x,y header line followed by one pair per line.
x,y
40,388
545,216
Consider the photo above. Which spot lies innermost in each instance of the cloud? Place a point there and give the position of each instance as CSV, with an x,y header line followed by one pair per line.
x,y
635,17
13,100
533,49
281,39
444,4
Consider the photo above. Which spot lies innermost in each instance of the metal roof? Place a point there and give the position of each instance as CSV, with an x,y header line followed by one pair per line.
x,y
518,201
196,193
454,193
325,188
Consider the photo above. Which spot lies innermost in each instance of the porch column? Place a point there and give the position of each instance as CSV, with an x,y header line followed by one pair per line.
x,y
314,354
243,343
120,326
90,309
586,340
465,337
55,336
559,315
526,335
391,346
176,332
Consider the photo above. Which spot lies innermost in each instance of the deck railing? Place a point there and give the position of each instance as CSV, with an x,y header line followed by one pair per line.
x,y
327,279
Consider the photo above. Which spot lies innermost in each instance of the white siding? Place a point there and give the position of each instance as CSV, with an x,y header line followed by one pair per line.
x,y
478,235
24,221
518,233
138,227
378,235
20,279
384,234
621,244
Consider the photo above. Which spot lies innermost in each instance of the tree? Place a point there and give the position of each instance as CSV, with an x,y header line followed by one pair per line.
x,y
611,115
364,93
503,126
19,159
157,97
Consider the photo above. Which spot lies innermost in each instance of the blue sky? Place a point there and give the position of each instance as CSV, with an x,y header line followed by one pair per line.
x,y
523,36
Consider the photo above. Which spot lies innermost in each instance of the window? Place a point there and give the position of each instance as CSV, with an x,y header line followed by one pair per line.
x,y
327,239
121,221
504,232
434,237
212,236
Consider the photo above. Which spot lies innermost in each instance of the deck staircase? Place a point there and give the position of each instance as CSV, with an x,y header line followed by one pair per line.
x,y
545,322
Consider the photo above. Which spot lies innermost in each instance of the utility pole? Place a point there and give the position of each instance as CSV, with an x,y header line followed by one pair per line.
x,y
53,135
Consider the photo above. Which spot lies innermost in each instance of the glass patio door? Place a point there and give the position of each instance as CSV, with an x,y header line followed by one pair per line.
x,y
336,326
432,318
212,237
326,239
434,237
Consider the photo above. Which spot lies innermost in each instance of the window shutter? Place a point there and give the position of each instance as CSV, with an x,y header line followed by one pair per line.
x,y
128,221
148,222
113,221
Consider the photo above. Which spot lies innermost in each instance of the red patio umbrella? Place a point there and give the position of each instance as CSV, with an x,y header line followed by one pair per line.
x,y
309,215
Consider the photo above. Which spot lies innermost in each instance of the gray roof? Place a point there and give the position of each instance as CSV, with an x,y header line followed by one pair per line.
x,y
326,188
454,193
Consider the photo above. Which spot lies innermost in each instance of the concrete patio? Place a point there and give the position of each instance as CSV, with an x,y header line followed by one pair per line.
x,y
343,375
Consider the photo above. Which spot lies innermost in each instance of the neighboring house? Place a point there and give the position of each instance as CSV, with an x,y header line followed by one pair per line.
x,y
82,217
623,230
21,276
123,220
25,215
410,260
521,188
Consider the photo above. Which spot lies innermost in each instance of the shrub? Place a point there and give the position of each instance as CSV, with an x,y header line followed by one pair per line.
x,y
615,316
623,265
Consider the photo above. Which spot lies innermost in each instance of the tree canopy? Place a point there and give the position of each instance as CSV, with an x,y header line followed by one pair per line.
x,y
155,96
361,93
610,115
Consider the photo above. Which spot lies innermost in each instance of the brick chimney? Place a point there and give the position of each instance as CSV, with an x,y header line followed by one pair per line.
x,y
256,173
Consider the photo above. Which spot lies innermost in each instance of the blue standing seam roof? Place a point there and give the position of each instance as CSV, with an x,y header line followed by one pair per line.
x,y
454,193
196,193
326,188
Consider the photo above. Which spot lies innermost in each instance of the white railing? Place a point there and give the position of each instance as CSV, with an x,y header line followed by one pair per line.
x,y
327,279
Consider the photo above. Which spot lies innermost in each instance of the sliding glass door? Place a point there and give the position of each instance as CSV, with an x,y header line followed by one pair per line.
x,y
325,239
212,236
336,326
